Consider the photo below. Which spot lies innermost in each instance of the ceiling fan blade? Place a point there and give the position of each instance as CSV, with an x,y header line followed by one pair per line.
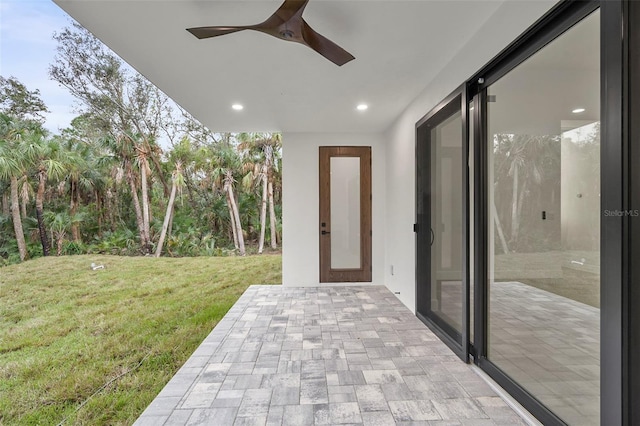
x,y
286,23
289,9
324,46
206,32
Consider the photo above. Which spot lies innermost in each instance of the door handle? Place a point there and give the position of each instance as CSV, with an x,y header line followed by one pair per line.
x,y
325,232
433,236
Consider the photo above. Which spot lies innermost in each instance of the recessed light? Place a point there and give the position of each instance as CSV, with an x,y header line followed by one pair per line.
x,y
362,107
578,110
237,107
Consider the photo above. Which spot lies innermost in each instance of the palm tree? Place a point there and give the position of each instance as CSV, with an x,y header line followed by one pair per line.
x,y
12,166
177,182
59,225
143,166
90,168
523,164
260,149
147,150
273,172
188,157
226,164
82,172
125,153
44,154
265,195
25,191
5,200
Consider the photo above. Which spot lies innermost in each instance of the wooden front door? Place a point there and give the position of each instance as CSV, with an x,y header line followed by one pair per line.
x,y
345,214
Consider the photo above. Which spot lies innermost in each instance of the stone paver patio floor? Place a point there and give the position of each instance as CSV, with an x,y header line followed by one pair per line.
x,y
325,356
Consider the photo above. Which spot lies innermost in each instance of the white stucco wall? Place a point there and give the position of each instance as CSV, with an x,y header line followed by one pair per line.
x,y
300,204
393,155
504,26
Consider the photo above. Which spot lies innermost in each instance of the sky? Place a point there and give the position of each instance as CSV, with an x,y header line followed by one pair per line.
x,y
27,49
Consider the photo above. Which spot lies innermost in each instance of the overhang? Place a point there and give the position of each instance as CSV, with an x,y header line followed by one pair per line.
x,y
399,47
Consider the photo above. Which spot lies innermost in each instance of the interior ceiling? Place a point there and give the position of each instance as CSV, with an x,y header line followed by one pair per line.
x,y
399,47
539,95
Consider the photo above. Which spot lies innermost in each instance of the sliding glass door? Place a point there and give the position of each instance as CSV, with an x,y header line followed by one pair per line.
x,y
525,211
543,214
442,281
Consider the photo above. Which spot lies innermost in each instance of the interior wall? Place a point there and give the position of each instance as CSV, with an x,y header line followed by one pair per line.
x,y
300,204
580,189
504,26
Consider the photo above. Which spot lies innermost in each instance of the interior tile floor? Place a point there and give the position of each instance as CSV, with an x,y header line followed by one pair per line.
x,y
325,356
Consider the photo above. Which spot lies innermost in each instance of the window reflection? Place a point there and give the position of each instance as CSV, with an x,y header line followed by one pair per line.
x,y
544,224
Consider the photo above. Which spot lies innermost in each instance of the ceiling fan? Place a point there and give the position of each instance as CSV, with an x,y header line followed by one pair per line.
x,y
286,24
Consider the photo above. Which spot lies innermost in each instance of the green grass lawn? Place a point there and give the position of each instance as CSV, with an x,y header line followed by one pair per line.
x,y
66,330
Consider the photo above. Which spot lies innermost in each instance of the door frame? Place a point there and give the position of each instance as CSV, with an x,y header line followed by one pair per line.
x,y
457,100
364,273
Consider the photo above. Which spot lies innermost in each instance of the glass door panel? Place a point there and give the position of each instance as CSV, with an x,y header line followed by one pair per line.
x,y
544,224
446,221
345,212
441,300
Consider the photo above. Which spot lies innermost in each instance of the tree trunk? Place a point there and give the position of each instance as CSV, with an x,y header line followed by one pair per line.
x,y
109,210
523,193
234,229
144,166
150,204
170,230
515,220
100,212
503,241
17,221
158,167
42,179
24,198
272,218
136,206
6,206
60,238
73,210
236,217
263,212
167,219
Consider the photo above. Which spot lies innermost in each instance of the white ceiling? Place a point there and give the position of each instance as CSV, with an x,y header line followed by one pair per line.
x,y
399,47
540,94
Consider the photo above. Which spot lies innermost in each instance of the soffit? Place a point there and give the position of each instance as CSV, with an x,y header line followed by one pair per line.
x,y
399,47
